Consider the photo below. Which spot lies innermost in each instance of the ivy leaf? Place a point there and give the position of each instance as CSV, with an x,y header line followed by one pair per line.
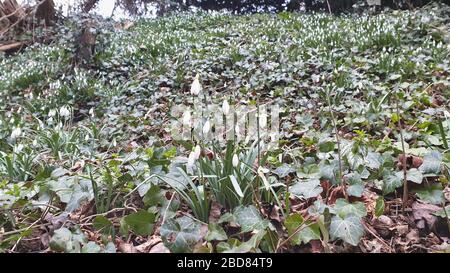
x,y
238,247
330,172
392,181
443,213
181,234
356,187
249,219
349,229
63,240
141,222
414,175
355,190
432,194
102,224
215,233
283,171
91,247
373,160
431,163
343,208
307,189
306,234
326,146
153,196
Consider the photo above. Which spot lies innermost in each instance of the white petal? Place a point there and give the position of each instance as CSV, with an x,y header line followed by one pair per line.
x,y
263,120
206,127
225,107
235,160
196,87
197,152
187,118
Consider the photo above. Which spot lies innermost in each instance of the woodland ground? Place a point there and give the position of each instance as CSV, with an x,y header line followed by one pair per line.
x,y
87,163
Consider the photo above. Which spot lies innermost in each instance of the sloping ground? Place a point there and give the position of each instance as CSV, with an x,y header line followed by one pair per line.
x,y
88,162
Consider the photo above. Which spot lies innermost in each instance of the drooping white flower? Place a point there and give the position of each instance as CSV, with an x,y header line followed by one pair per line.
x,y
191,160
225,107
86,138
261,173
52,113
197,152
263,120
17,149
235,160
16,132
187,118
196,87
315,78
206,127
91,112
35,142
64,112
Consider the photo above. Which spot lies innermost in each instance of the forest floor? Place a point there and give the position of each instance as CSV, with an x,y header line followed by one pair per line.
x,y
91,158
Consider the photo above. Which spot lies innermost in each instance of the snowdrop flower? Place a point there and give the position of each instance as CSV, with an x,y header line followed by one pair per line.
x,y
18,148
16,133
59,126
206,127
52,113
235,160
261,173
196,87
35,142
225,107
91,112
263,120
197,152
86,138
64,112
191,160
187,118
315,78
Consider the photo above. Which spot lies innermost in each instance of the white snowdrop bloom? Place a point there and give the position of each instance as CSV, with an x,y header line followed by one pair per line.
x,y
263,120
196,87
187,118
225,107
91,112
18,148
16,133
235,160
64,112
261,172
315,78
52,113
35,142
197,152
86,138
191,160
206,127
59,126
